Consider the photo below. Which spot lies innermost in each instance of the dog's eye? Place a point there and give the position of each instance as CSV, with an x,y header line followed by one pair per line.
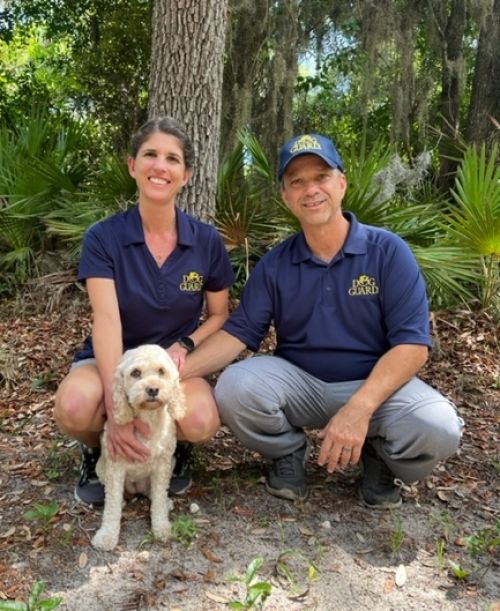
x,y
161,371
135,373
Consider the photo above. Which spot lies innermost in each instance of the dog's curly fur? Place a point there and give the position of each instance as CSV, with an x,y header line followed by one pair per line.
x,y
146,386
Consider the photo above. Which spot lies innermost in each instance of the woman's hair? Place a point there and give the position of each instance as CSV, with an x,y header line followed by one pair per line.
x,y
166,125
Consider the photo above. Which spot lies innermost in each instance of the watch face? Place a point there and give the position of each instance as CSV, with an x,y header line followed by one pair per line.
x,y
187,343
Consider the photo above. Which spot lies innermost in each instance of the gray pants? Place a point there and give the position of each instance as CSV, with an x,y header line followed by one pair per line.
x,y
266,402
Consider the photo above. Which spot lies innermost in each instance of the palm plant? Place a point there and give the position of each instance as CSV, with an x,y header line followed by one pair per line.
x,y
247,215
41,163
108,189
474,223
414,213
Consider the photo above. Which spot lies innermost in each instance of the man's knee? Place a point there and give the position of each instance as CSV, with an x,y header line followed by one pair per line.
x,y
233,390
432,429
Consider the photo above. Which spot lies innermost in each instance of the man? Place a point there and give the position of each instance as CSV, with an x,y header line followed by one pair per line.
x,y
349,306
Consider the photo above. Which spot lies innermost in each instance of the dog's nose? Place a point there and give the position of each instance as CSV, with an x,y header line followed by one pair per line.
x,y
152,392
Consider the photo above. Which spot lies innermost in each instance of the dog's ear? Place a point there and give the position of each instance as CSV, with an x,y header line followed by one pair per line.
x,y
177,403
123,412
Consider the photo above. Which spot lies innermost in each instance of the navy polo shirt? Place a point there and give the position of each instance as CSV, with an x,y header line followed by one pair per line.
x,y
157,305
335,320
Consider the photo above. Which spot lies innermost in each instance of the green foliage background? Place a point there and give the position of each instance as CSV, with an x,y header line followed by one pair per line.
x,y
74,86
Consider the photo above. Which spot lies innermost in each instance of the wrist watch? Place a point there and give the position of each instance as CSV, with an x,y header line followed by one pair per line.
x,y
187,343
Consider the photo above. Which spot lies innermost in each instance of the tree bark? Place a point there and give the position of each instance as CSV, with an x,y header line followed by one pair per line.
x,y
186,83
484,111
451,89
247,34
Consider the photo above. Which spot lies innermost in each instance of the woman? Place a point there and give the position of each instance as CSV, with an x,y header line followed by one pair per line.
x,y
148,271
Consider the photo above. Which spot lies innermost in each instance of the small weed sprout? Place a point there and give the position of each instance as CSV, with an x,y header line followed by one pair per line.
x,y
397,535
458,571
42,513
293,566
35,602
148,539
484,541
184,530
445,521
256,591
441,550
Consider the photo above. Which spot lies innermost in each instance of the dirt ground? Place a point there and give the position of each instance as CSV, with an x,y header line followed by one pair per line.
x,y
438,551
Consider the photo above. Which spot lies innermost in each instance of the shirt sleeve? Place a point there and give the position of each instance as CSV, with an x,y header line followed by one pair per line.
x,y
406,308
251,319
95,259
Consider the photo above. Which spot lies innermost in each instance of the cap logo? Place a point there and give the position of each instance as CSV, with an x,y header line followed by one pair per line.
x,y
305,143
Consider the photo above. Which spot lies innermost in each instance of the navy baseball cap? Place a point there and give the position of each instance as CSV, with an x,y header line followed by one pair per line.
x,y
309,144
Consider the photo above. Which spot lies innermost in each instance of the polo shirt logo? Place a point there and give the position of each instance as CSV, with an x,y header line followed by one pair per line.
x,y
192,282
305,143
364,285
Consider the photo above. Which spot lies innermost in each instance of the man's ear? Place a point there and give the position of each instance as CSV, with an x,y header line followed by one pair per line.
x,y
283,193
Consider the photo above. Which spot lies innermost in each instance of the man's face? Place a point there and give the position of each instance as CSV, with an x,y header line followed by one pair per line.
x,y
313,191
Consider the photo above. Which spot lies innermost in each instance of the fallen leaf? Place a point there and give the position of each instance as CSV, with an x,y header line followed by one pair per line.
x,y
401,575
209,555
82,560
8,533
216,598
307,532
258,531
209,576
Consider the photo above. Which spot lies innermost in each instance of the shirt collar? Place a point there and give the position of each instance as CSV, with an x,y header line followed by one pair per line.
x,y
134,232
355,243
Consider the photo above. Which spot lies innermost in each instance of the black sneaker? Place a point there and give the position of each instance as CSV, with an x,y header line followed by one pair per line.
x,y
287,475
182,478
378,489
89,489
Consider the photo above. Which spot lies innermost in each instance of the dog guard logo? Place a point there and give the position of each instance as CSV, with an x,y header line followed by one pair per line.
x,y
192,282
364,285
306,143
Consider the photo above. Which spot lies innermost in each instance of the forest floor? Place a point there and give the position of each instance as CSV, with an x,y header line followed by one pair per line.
x,y
438,551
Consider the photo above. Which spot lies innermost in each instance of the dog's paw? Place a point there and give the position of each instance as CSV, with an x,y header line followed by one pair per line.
x,y
104,540
161,531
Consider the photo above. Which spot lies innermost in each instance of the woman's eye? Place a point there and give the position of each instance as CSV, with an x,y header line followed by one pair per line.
x,y
135,373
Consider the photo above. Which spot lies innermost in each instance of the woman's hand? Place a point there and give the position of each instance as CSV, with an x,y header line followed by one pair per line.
x,y
178,354
123,441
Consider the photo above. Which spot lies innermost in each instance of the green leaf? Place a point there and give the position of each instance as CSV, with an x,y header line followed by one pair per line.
x,y
252,569
12,605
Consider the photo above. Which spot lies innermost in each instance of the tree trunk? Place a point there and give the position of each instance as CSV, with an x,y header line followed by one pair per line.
x,y
272,109
186,83
247,34
451,88
484,111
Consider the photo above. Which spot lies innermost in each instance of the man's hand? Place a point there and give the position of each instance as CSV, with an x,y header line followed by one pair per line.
x,y
123,442
343,438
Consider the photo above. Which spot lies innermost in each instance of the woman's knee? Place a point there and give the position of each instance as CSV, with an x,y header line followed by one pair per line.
x,y
202,420
77,409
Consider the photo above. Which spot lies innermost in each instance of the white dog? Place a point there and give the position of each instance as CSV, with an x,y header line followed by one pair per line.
x,y
146,386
